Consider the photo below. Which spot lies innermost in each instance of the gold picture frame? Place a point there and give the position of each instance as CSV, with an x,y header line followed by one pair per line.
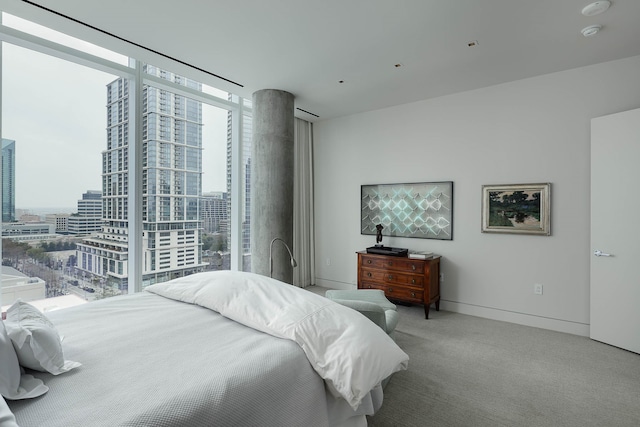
x,y
517,209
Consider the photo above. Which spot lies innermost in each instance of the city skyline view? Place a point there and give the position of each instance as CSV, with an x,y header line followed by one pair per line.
x,y
67,130
62,118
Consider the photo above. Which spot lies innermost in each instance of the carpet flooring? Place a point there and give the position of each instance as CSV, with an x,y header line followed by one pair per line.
x,y
470,371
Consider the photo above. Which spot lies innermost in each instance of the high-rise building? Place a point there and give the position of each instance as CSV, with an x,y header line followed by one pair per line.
x,y
172,186
247,131
213,210
88,219
246,224
8,180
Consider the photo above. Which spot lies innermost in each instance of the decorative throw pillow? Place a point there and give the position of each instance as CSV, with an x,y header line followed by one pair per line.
x,y
12,384
36,340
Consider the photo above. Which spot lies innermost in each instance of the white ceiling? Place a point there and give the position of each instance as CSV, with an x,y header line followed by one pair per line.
x,y
306,47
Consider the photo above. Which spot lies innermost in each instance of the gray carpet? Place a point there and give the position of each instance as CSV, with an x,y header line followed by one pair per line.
x,y
470,371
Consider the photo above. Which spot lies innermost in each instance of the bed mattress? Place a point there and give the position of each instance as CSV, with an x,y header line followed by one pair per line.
x,y
152,361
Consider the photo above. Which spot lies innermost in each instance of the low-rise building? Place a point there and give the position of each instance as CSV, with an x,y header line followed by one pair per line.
x,y
17,285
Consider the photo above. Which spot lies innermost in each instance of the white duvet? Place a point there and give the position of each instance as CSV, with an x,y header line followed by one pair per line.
x,y
346,349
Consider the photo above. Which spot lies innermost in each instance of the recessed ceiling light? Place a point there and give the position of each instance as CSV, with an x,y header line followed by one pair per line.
x,y
596,8
591,30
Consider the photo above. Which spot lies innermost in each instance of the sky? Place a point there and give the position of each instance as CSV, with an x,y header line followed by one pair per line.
x,y
56,112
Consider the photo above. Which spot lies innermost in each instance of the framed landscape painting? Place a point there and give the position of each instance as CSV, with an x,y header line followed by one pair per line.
x,y
517,209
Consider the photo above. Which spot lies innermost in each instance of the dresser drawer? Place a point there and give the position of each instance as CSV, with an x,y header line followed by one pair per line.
x,y
393,263
400,293
391,277
404,294
371,285
373,275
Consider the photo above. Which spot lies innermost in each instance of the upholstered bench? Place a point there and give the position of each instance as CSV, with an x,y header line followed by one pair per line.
x,y
370,302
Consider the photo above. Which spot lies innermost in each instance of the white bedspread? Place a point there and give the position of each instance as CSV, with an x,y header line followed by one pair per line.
x,y
152,361
348,351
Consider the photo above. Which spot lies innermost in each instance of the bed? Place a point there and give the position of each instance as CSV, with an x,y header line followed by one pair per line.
x,y
215,348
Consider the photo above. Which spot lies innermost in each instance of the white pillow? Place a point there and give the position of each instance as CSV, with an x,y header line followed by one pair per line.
x,y
36,340
6,416
12,384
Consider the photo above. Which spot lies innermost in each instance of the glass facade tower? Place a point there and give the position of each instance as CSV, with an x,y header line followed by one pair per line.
x,y
8,180
247,124
172,186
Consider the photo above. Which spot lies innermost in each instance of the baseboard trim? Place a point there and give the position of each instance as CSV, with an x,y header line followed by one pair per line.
x,y
332,284
558,325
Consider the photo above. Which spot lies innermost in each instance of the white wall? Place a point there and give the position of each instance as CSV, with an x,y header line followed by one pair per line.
x,y
529,131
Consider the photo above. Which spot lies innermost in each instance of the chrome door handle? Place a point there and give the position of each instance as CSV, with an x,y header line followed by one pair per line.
x,y
598,252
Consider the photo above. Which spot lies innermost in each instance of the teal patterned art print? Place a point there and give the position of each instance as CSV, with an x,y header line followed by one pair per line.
x,y
422,210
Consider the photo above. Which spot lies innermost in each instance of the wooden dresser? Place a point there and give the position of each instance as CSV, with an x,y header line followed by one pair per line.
x,y
403,279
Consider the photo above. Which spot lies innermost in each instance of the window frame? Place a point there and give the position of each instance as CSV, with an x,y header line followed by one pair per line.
x,y
236,105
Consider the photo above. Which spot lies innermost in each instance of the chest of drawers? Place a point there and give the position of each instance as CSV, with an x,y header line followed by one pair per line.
x,y
403,279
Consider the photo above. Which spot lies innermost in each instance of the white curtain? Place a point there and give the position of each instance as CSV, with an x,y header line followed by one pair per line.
x,y
303,227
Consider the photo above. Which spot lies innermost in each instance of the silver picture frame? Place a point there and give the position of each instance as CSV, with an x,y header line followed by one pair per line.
x,y
517,209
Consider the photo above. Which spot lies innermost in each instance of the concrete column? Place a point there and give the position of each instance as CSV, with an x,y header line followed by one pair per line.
x,y
272,182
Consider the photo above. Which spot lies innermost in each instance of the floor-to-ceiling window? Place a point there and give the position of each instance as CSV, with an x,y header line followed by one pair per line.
x,y
54,112
73,125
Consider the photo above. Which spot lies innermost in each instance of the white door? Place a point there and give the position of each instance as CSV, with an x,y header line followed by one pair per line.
x,y
615,229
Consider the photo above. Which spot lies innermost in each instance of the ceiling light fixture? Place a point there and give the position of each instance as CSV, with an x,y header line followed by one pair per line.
x,y
591,30
472,43
596,8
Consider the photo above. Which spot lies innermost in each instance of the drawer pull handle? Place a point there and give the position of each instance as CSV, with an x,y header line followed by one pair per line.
x,y
368,261
413,295
413,267
369,274
390,277
390,263
390,290
413,281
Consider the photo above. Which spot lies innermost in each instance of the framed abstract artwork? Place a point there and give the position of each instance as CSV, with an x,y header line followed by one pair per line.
x,y
422,210
517,209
